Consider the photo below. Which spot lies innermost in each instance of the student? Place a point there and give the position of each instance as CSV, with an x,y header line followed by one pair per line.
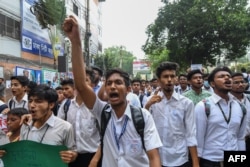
x,y
59,91
87,136
45,127
122,145
13,123
174,119
237,92
223,127
18,87
196,93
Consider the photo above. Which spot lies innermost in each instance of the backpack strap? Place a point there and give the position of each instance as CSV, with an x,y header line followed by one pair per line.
x,y
137,118
139,122
207,106
66,108
244,111
105,117
10,103
141,99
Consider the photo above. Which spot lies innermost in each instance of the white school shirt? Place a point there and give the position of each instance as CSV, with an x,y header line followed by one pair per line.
x,y
175,122
84,123
214,135
22,104
131,152
133,99
54,131
246,103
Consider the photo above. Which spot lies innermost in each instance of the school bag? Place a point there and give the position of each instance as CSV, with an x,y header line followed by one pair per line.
x,y
137,118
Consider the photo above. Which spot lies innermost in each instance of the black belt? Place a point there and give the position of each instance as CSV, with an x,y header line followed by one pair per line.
x,y
211,163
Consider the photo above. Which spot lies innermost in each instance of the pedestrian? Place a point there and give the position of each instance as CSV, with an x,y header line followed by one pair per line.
x,y
122,146
196,93
174,118
18,88
13,123
237,92
220,121
85,125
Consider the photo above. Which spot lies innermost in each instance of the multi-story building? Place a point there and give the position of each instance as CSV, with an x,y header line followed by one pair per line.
x,y
25,46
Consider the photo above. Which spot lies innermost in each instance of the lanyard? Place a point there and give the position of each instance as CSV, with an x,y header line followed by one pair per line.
x,y
122,132
24,102
230,111
41,137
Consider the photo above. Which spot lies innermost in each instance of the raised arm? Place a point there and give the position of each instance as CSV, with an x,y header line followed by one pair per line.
x,y
71,29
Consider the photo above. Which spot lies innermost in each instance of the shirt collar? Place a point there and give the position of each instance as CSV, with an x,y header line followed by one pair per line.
x,y
174,96
25,98
50,122
126,113
216,98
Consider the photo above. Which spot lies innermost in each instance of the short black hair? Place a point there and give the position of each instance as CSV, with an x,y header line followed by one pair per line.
x,y
205,75
97,69
59,88
191,73
122,73
166,66
90,72
32,85
44,92
24,81
153,79
136,80
182,75
243,69
18,111
217,69
237,74
68,82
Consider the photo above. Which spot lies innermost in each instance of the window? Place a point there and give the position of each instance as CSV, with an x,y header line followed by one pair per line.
x,y
75,9
9,27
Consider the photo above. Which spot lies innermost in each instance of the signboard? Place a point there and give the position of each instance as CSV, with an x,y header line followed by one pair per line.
x,y
33,75
196,67
50,77
34,39
32,154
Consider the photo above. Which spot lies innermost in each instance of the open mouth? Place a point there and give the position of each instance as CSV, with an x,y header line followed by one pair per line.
x,y
113,96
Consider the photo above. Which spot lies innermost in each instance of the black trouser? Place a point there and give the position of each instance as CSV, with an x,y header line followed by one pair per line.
x,y
187,164
207,163
82,160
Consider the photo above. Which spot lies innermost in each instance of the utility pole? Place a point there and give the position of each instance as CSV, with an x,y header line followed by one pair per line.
x,y
121,56
87,36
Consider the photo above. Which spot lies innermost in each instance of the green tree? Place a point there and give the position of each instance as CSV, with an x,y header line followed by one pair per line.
x,y
50,14
115,57
199,31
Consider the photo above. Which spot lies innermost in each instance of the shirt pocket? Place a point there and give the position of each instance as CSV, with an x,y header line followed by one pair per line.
x,y
88,126
133,147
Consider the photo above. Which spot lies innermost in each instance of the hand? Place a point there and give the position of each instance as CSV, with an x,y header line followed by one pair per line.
x,y
5,111
68,156
26,119
2,153
71,28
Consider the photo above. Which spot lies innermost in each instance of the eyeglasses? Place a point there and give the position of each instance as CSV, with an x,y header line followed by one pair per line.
x,y
238,82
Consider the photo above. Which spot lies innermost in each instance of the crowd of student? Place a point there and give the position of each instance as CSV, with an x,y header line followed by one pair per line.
x,y
118,122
